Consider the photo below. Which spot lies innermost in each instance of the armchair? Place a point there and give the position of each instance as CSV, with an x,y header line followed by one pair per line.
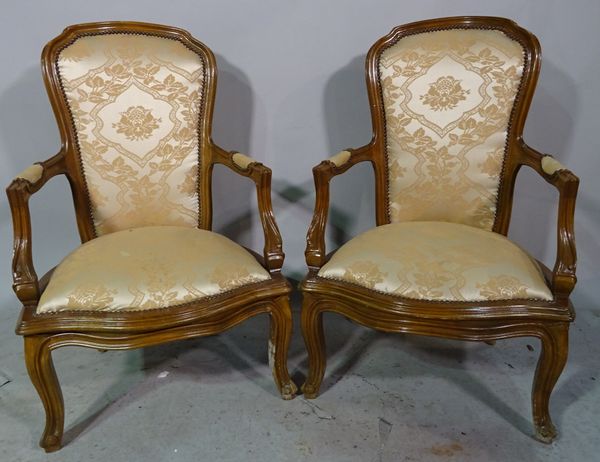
x,y
449,98
134,105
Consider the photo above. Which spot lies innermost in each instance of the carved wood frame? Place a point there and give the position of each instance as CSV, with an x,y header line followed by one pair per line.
x,y
487,321
123,330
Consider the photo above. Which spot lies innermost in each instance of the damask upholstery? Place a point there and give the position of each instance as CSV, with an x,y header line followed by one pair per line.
x,y
438,261
150,267
448,97
136,103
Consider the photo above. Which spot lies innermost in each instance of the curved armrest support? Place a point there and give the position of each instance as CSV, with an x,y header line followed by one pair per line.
x,y
26,183
563,277
261,175
315,252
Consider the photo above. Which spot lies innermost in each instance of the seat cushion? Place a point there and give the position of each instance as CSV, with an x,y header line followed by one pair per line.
x,y
438,261
150,267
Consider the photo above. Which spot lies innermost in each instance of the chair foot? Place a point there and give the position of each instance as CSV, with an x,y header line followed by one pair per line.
x,y
289,391
312,330
555,348
40,367
51,443
279,342
309,392
545,433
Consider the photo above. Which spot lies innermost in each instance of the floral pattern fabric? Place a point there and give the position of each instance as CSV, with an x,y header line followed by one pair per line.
x,y
438,261
135,102
150,267
444,94
448,96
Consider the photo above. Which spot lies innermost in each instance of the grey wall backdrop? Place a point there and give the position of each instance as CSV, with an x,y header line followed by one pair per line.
x,y
291,92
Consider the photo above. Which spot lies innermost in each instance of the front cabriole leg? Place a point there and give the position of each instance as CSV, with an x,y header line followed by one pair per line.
x,y
314,338
555,348
40,367
279,342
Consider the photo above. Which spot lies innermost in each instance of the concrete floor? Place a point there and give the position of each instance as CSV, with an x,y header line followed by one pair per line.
x,y
385,398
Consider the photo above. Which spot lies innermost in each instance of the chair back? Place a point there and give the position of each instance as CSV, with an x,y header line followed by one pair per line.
x,y
449,98
134,103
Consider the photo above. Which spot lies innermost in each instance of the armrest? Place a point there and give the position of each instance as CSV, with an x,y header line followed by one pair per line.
x,y
26,183
323,173
261,175
563,274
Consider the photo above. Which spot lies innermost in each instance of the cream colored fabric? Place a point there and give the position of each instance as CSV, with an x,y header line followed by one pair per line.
x,y
145,268
340,158
438,261
242,160
550,165
135,101
32,173
448,96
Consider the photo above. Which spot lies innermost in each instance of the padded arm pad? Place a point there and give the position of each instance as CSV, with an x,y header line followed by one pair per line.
x,y
242,160
340,158
550,165
32,173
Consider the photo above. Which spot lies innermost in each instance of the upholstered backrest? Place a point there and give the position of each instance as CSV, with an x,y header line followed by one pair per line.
x,y
448,96
135,100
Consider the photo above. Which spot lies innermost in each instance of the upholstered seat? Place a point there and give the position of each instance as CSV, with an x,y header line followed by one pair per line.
x,y
146,268
438,261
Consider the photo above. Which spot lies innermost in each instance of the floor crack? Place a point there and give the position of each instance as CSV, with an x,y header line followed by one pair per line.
x,y
368,382
320,413
385,428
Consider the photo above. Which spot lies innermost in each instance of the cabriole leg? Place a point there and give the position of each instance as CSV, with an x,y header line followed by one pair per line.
x,y
41,371
279,342
312,330
555,348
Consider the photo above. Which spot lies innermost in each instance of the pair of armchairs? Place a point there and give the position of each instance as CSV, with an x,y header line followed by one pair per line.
x,y
134,104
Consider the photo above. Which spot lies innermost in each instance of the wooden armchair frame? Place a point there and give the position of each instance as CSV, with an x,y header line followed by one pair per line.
x,y
476,321
133,329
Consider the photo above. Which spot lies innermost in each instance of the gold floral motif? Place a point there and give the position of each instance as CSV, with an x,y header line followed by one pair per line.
x,y
137,123
428,284
90,297
396,170
188,187
492,163
445,93
364,273
118,72
96,194
161,286
503,287
431,279
230,276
